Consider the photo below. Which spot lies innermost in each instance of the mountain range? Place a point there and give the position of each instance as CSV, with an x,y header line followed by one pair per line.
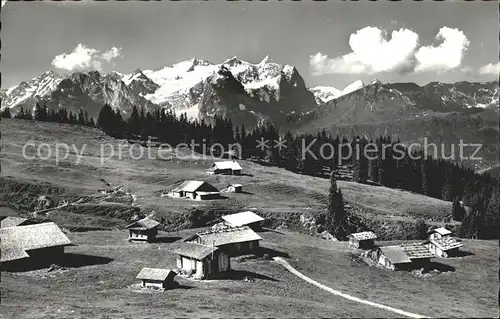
x,y
251,93
268,92
263,91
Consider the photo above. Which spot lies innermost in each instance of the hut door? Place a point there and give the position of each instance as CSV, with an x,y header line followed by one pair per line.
x,y
193,264
186,263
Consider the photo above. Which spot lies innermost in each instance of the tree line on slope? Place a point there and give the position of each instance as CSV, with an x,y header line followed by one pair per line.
x,y
424,175
42,113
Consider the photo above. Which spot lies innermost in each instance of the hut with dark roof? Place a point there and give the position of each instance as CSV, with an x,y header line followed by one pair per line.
x,y
143,230
32,245
157,278
234,241
201,261
363,240
407,256
392,257
198,190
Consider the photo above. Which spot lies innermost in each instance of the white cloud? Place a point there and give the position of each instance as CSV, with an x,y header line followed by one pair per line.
x,y
373,52
84,58
112,53
490,69
447,55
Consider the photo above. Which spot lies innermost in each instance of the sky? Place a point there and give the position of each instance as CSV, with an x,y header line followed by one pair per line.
x,y
330,43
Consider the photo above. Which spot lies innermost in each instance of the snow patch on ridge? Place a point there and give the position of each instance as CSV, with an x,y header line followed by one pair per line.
x,y
354,86
324,94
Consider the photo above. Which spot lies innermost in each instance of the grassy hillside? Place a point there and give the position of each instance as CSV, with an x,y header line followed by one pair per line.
x,y
99,276
280,195
100,283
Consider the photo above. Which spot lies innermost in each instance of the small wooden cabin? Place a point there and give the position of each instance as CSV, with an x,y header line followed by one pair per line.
x,y
30,246
202,261
444,246
407,256
143,230
363,240
392,257
438,233
197,190
157,278
246,218
225,167
234,241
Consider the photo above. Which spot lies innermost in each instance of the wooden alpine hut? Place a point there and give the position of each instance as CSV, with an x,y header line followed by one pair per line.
x,y
143,230
234,241
225,167
202,261
363,240
197,190
157,278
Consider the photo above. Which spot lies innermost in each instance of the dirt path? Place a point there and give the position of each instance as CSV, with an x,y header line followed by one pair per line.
x,y
294,271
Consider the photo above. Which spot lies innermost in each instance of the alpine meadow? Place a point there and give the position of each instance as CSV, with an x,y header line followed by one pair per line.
x,y
249,159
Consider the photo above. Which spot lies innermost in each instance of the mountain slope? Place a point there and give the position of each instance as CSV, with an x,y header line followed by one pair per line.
x,y
92,90
444,113
28,93
266,91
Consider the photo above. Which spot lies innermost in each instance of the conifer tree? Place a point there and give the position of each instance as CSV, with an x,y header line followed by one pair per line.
x,y
470,225
134,122
81,118
105,119
6,113
86,118
421,229
336,221
458,212
20,114
491,220
446,190
40,112
468,193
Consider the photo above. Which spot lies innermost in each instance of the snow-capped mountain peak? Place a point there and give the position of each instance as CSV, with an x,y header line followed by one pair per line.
x,y
137,74
266,60
37,88
234,61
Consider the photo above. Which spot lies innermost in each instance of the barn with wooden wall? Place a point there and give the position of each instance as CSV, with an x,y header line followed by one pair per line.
x,y
202,261
234,241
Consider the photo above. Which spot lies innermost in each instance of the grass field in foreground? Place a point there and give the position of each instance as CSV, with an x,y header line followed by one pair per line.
x,y
102,288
